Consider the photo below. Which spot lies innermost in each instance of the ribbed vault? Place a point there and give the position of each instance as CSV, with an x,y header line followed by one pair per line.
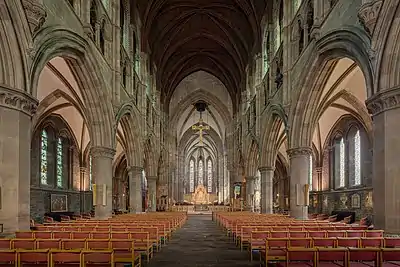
x,y
185,36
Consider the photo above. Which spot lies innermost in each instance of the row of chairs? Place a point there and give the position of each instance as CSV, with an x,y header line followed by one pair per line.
x,y
333,242
152,236
54,257
245,237
334,257
73,244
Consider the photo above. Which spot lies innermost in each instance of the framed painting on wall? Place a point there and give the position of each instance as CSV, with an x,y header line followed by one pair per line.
x,y
59,203
355,201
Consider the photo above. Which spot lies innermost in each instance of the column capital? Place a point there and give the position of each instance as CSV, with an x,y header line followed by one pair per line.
x,y
151,178
250,178
383,101
135,169
18,100
299,151
101,151
265,169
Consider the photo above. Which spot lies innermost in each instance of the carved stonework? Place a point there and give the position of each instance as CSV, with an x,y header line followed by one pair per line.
x,y
135,169
18,100
35,14
299,151
386,100
368,14
102,152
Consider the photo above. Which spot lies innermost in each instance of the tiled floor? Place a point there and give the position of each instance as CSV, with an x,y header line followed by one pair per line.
x,y
200,243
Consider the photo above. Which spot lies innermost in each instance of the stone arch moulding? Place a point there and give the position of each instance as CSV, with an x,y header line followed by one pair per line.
x,y
351,42
252,160
275,117
153,166
51,42
386,42
128,116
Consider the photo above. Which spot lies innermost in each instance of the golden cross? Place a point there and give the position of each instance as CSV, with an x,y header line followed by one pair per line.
x,y
200,128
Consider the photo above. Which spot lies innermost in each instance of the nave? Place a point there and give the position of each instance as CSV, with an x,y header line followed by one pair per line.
x,y
200,242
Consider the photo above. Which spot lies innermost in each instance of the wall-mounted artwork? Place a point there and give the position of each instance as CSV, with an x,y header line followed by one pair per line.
x,y
59,203
368,200
355,201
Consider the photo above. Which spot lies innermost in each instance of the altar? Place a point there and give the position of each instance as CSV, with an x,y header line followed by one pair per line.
x,y
200,197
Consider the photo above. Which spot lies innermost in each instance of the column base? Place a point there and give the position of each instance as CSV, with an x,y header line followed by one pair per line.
x,y
102,213
299,212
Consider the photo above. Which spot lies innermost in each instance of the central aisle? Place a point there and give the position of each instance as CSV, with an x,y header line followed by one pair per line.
x,y
200,243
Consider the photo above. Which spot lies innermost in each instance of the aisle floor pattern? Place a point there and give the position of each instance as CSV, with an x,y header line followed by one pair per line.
x,y
200,243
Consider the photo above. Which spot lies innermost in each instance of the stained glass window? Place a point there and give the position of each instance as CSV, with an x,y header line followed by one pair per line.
x,y
209,176
59,163
310,178
191,176
200,179
357,158
43,157
90,173
342,162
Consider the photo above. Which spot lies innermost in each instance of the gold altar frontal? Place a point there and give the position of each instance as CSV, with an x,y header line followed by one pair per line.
x,y
200,196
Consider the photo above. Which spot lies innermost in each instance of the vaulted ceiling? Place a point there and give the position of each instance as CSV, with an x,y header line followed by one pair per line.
x,y
185,36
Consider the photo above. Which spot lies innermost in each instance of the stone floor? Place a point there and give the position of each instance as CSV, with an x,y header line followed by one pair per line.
x,y
201,243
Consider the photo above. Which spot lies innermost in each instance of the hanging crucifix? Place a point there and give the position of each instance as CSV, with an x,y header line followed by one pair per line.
x,y
200,106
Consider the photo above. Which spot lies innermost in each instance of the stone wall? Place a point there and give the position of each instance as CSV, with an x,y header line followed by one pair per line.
x,y
357,200
78,201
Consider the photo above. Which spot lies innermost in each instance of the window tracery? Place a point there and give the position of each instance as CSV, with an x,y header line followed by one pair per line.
x,y
209,176
200,172
357,158
191,176
43,157
59,163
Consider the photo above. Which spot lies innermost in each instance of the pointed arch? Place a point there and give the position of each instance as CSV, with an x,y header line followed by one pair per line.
x,y
55,41
128,117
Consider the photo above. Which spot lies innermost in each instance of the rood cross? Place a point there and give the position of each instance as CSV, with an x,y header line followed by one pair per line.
x,y
200,128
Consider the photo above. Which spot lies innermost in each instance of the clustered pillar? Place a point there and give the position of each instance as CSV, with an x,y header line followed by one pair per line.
x,y
152,186
16,110
250,191
102,158
299,177
267,175
385,109
135,189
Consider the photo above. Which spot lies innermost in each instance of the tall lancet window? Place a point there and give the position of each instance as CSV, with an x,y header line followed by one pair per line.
x,y
43,157
310,177
200,179
339,163
191,176
342,162
60,170
209,176
357,158
90,173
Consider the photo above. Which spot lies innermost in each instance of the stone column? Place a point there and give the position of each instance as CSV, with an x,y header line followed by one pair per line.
x,y
83,188
16,110
152,185
299,174
267,174
385,109
102,158
135,189
250,191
